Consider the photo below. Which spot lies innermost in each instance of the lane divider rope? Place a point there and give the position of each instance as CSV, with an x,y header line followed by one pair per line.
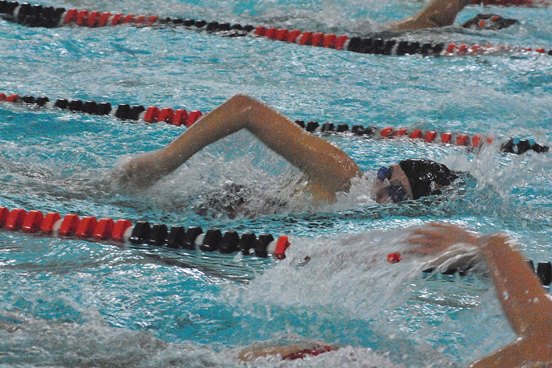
x,y
543,270
142,232
124,231
182,117
48,16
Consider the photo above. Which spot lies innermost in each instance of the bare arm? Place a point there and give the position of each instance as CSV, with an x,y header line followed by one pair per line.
x,y
329,169
438,13
521,295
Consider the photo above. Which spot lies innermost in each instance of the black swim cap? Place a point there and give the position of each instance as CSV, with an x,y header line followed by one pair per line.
x,y
489,21
425,176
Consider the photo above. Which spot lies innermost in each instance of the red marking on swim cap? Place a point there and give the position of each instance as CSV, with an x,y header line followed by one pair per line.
x,y
416,133
4,212
481,24
103,19
462,140
446,137
151,114
340,42
117,19
281,34
387,132
70,16
305,38
12,98
92,19
292,35
165,115
282,244
82,17
450,48
270,33
49,221
119,229
317,39
193,116
32,221
180,116
15,218
329,41
301,354
430,136
260,31
69,225
394,257
103,229
402,131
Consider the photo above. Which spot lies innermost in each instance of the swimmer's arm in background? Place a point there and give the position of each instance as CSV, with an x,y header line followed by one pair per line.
x,y
438,13
329,169
523,299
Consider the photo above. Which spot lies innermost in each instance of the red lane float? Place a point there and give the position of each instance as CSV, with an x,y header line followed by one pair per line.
x,y
394,257
32,222
15,219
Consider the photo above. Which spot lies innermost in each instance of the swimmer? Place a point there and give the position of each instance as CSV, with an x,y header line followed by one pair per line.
x,y
328,169
526,305
442,13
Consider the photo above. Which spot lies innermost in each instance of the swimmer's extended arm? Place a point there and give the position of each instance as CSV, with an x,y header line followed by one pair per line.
x,y
525,303
438,13
329,169
523,299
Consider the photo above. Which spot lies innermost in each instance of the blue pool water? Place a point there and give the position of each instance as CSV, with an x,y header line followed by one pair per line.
x,y
72,303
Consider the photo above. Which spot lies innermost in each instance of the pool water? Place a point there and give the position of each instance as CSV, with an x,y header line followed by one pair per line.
x,y
67,302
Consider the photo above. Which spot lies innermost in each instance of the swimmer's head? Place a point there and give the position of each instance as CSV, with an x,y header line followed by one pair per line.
x,y
411,179
489,21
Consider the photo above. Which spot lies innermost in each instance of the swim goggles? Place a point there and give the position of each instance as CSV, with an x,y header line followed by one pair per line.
x,y
396,191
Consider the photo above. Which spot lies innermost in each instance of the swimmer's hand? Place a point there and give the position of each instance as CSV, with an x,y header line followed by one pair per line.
x,y
435,238
138,172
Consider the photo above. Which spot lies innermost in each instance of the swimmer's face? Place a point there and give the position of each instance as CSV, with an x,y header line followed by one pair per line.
x,y
393,188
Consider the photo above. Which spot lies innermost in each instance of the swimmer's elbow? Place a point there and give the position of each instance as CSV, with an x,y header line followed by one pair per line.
x,y
241,102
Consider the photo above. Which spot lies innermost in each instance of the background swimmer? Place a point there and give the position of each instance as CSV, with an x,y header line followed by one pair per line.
x,y
328,169
442,13
438,13
527,307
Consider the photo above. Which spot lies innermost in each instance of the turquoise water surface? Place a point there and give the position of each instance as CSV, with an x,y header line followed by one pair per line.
x,y
67,302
